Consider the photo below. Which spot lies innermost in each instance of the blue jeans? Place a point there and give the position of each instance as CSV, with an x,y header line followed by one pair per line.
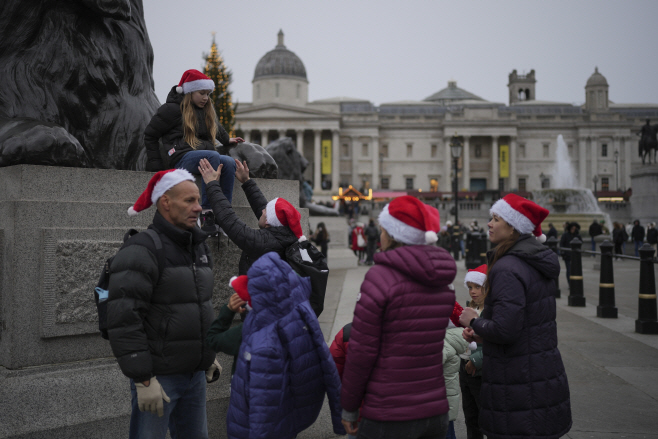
x,y
185,415
451,431
190,162
435,427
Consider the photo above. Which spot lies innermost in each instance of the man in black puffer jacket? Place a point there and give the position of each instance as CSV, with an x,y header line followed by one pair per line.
x,y
271,236
159,310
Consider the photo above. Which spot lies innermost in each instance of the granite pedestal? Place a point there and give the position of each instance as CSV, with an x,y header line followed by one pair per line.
x,y
58,377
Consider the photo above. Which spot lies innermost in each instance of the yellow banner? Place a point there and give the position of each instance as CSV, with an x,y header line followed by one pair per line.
x,y
326,157
503,155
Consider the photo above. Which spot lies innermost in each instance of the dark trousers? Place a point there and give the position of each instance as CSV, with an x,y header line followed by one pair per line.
x,y
470,387
567,263
434,427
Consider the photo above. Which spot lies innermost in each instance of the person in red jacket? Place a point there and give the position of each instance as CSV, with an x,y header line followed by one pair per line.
x,y
395,361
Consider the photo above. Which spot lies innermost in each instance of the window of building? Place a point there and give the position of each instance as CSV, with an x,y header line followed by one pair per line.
x,y
604,150
605,184
364,150
570,149
521,151
345,150
384,183
409,183
434,184
434,149
478,151
276,89
410,148
383,150
522,187
545,182
545,148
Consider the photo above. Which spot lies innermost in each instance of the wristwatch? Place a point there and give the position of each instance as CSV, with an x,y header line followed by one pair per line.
x,y
470,324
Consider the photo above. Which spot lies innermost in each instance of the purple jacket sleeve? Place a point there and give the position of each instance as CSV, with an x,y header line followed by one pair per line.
x,y
365,339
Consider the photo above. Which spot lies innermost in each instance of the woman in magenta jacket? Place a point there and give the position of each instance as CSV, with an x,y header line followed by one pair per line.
x,y
395,357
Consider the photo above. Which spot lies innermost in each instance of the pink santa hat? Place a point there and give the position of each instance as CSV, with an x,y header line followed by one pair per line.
x,y
239,285
410,221
476,275
280,212
194,80
522,214
160,183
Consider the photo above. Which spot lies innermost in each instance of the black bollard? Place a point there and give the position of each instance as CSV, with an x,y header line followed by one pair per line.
x,y
606,308
456,247
472,250
647,320
552,243
484,239
576,294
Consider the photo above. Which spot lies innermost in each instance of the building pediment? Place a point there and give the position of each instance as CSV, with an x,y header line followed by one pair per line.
x,y
278,111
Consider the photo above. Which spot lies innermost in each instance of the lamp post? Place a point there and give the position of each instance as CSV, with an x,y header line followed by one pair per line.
x,y
456,152
595,179
617,168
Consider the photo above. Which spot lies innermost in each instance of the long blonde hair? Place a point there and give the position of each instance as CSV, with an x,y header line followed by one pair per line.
x,y
190,122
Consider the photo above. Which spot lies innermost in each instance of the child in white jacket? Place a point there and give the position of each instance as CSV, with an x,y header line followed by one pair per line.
x,y
453,345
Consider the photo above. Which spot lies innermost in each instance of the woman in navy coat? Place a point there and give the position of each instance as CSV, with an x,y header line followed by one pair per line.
x,y
525,393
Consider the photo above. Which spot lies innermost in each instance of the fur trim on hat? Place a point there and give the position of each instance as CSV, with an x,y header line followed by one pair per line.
x,y
169,180
512,217
400,231
270,211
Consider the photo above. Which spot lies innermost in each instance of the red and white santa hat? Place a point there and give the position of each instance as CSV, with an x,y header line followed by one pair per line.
x,y
410,221
239,285
476,275
160,183
194,80
281,213
522,214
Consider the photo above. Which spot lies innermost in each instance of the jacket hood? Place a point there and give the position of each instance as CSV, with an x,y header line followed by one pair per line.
x,y
426,264
539,257
275,289
174,97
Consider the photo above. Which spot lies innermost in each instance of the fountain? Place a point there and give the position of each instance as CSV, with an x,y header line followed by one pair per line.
x,y
565,199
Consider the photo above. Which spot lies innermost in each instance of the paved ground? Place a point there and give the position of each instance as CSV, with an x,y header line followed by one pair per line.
x,y
612,371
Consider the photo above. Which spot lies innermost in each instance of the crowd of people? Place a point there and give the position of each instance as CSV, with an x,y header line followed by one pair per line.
x,y
413,349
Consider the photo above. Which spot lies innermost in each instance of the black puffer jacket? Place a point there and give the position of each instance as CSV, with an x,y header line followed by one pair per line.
x,y
161,330
254,243
167,124
525,393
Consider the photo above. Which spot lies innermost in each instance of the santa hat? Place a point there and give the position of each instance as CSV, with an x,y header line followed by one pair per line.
x,y
454,317
281,213
410,221
160,183
239,284
476,275
194,80
522,214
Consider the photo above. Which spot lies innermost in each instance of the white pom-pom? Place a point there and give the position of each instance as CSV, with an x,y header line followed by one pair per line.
x,y
230,282
541,238
430,237
132,211
179,90
472,346
301,238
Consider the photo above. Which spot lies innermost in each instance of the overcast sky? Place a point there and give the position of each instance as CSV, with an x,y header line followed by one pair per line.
x,y
387,50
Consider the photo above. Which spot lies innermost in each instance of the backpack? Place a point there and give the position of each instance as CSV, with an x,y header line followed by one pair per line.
x,y
308,261
101,289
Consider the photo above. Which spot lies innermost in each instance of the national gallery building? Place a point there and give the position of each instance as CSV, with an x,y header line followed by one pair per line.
x,y
405,145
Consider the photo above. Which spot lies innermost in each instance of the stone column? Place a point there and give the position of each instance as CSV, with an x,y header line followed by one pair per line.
x,y
355,161
625,160
594,156
247,136
317,161
374,181
513,183
466,165
263,138
494,162
300,141
582,161
282,134
335,161
447,166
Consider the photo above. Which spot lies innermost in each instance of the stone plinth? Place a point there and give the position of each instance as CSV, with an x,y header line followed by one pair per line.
x,y
644,202
57,226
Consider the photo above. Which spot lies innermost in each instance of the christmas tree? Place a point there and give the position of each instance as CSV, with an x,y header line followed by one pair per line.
x,y
216,70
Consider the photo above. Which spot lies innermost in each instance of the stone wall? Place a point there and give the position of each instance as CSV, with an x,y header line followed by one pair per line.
x,y
57,227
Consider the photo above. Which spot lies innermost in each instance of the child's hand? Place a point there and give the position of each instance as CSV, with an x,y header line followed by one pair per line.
x,y
235,140
236,304
470,368
241,171
208,173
